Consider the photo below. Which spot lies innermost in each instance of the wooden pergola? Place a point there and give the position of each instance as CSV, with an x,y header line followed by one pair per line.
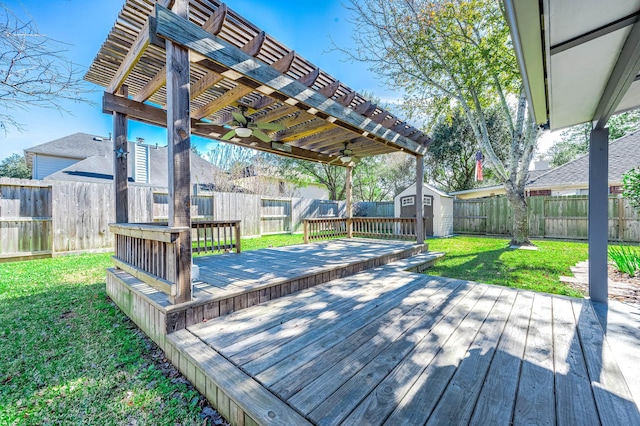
x,y
188,65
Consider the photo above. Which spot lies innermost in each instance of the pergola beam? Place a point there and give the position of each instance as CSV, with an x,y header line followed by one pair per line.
x,y
181,31
134,54
158,117
131,59
623,74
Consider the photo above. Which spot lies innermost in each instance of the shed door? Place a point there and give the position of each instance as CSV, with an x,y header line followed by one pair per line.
x,y
408,209
428,215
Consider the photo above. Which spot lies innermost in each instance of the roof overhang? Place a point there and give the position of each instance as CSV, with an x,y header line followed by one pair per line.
x,y
579,59
234,63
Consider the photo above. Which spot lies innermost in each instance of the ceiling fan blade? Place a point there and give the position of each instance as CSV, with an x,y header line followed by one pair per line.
x,y
270,126
260,135
239,117
228,135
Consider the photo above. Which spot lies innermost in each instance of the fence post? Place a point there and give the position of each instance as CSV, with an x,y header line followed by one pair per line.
x,y
306,231
620,218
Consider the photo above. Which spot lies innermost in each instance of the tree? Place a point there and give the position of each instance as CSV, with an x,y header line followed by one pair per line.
x,y
454,54
574,141
305,172
382,177
14,166
631,187
451,160
33,70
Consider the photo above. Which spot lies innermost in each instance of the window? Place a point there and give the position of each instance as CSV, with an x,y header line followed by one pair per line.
x,y
426,200
407,201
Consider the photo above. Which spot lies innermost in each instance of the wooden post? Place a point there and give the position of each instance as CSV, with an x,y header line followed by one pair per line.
x,y
419,196
349,206
179,149
306,231
120,169
238,248
620,217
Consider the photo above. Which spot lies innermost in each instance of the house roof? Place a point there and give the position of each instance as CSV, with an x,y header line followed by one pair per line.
x,y
78,145
96,161
623,155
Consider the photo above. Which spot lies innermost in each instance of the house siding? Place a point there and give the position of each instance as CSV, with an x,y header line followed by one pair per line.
x,y
45,165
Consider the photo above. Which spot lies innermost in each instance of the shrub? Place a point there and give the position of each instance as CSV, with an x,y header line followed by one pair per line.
x,y
626,259
631,187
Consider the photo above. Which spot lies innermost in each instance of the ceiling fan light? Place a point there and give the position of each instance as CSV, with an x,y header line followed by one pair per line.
x,y
243,132
345,158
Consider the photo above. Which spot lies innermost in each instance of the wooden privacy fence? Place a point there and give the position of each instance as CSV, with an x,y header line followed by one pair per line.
x,y
25,219
43,218
394,228
563,217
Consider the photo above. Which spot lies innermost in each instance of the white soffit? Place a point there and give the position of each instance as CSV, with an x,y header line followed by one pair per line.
x,y
569,19
578,77
631,99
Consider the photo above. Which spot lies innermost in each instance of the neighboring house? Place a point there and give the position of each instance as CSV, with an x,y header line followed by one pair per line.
x,y
89,158
572,178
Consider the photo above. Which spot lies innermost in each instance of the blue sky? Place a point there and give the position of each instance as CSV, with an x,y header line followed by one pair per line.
x,y
307,26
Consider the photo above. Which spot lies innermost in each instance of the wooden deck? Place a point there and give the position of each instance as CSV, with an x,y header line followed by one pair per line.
x,y
390,347
234,281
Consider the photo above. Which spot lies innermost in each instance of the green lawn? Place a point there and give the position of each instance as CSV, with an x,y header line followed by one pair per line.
x,y
490,260
69,356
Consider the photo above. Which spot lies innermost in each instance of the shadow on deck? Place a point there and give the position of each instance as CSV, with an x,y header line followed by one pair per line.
x,y
385,346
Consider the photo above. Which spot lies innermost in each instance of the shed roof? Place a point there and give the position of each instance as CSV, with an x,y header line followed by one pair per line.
x,y
234,63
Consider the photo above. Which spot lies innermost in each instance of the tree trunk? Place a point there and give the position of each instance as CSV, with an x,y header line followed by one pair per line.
x,y
520,231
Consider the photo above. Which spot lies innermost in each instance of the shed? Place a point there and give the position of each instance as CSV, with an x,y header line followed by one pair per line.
x,y
438,209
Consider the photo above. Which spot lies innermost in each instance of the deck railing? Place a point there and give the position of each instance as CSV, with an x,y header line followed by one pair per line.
x,y
151,252
213,235
393,228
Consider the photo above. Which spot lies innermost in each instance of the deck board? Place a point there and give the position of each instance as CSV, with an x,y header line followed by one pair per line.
x,y
386,346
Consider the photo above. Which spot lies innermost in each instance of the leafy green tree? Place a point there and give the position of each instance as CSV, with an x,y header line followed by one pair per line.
x,y
448,55
631,187
14,166
305,172
574,141
451,160
382,177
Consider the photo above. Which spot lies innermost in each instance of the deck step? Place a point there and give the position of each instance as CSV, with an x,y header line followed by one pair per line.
x,y
237,396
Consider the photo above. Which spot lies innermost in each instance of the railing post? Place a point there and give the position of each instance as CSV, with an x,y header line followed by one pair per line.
x,y
237,226
349,195
306,231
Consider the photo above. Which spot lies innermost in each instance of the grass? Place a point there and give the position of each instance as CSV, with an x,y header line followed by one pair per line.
x,y
70,356
489,260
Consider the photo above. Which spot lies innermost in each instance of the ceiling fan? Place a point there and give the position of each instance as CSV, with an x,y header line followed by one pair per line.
x,y
346,156
244,126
